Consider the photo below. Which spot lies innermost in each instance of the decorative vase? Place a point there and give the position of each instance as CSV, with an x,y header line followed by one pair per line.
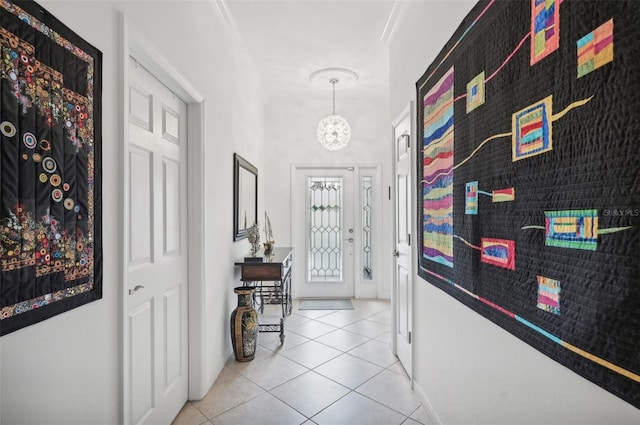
x,y
244,325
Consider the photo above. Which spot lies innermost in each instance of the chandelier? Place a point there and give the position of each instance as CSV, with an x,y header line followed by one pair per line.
x,y
334,131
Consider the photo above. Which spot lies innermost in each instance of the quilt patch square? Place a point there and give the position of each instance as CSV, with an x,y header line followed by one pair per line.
x,y
504,195
575,229
532,130
548,295
595,49
499,252
475,92
471,198
545,28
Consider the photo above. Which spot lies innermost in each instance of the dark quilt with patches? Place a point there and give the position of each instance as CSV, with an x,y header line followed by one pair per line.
x,y
50,218
529,179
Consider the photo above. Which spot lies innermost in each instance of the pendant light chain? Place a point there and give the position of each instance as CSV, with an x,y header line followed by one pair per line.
x,y
333,83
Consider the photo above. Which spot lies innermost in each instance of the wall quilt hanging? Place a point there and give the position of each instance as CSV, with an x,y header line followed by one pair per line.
x,y
529,179
50,167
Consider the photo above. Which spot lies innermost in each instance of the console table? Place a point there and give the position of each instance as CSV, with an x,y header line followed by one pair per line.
x,y
272,279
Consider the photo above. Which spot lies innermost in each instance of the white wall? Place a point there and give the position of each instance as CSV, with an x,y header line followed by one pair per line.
x,y
290,139
67,370
470,370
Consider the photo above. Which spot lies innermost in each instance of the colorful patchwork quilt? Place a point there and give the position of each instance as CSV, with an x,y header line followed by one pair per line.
x,y
529,178
50,129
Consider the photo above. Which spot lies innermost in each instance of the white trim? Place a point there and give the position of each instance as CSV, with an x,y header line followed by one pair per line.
x,y
413,151
393,21
223,11
137,46
426,404
124,223
198,384
142,50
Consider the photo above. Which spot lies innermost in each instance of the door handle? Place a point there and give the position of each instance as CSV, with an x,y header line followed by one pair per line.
x,y
349,239
135,289
395,253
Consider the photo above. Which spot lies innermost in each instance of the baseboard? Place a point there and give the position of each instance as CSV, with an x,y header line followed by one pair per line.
x,y
216,369
426,405
228,355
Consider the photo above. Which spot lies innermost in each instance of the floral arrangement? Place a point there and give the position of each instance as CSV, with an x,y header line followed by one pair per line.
x,y
253,234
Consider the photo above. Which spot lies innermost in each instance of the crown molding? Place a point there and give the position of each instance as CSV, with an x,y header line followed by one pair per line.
x,y
223,11
394,20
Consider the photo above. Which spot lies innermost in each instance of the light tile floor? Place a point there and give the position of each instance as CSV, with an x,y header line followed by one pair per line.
x,y
334,368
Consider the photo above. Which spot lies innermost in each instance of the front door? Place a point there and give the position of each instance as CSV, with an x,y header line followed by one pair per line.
x,y
325,233
156,368
402,253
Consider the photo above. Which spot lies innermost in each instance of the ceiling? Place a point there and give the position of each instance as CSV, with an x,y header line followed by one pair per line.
x,y
290,39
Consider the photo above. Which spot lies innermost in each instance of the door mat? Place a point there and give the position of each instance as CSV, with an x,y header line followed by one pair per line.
x,y
327,304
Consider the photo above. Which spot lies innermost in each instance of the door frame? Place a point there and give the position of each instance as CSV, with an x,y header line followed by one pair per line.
x,y
360,290
410,110
134,44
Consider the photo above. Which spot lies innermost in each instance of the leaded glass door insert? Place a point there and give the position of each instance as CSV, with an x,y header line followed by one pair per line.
x,y
325,234
367,228
325,229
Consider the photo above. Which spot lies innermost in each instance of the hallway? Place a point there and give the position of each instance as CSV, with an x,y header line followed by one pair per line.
x,y
335,367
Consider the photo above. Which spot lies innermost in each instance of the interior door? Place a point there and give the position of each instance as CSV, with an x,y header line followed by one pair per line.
x,y
156,368
325,233
402,264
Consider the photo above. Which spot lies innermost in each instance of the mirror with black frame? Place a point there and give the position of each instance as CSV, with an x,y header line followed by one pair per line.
x,y
245,196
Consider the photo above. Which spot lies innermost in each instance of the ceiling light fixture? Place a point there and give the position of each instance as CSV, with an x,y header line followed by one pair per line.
x,y
334,131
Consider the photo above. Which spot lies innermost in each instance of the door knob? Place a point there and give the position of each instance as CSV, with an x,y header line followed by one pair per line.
x,y
396,253
135,289
349,239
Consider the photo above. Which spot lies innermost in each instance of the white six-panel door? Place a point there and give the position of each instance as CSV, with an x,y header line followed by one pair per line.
x,y
157,306
402,264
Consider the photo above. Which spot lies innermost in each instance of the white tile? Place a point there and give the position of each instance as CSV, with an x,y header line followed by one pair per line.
x,y
238,396
392,390
271,372
338,318
375,352
295,318
263,410
367,328
382,317
312,314
348,370
271,340
342,340
227,369
370,307
311,329
355,409
420,416
262,353
229,390
309,393
398,368
189,415
311,354
385,337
